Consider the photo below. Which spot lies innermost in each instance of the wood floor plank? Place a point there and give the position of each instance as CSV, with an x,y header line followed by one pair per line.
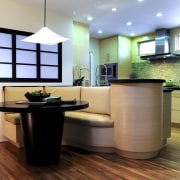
x,y
84,165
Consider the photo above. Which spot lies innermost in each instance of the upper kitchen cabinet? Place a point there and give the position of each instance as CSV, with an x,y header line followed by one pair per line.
x,y
109,50
117,49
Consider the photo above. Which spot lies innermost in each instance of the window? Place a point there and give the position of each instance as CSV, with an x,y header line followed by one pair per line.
x,y
28,62
146,47
177,42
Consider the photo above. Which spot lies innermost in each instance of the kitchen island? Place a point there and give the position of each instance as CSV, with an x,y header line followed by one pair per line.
x,y
137,110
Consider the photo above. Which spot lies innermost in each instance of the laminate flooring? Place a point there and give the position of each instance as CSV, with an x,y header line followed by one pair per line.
x,y
76,164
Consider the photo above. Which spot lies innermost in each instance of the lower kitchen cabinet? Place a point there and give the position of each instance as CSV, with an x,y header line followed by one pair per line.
x,y
175,109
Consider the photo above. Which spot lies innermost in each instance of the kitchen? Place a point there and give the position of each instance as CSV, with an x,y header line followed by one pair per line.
x,y
82,48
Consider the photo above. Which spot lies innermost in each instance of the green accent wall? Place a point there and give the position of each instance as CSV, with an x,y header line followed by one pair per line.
x,y
81,41
158,69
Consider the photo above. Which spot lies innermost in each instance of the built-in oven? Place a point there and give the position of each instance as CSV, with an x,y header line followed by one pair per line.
x,y
107,72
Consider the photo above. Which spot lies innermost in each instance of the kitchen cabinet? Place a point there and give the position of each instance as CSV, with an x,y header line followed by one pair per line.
x,y
109,50
175,109
166,115
117,49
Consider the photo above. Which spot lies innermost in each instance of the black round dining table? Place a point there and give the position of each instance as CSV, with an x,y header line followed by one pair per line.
x,y
42,126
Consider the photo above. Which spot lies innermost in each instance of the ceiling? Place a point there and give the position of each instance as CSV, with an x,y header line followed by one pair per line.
x,y
141,14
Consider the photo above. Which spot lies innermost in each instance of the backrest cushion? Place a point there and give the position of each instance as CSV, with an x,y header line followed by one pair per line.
x,y
14,93
65,92
98,98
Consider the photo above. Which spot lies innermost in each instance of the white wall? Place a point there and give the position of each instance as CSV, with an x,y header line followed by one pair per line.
x,y
24,17
94,49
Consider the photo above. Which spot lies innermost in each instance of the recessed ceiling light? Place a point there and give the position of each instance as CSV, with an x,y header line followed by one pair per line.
x,y
114,9
132,34
100,32
129,23
140,0
90,18
159,14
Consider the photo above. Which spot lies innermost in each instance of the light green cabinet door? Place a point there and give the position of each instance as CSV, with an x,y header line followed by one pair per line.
x,y
109,50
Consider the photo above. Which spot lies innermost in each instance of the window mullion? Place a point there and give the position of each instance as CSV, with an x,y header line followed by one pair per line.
x,y
13,56
60,62
38,61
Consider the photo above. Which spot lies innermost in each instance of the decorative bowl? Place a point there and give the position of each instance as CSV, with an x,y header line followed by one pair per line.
x,y
36,96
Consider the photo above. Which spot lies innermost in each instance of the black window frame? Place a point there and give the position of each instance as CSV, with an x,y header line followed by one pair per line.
x,y
38,65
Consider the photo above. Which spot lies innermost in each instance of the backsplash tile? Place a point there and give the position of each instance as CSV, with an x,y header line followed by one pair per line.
x,y
168,70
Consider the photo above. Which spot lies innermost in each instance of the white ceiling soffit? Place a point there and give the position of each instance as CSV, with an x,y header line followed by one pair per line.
x,y
141,14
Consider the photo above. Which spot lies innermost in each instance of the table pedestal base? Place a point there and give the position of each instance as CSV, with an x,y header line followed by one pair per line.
x,y
42,136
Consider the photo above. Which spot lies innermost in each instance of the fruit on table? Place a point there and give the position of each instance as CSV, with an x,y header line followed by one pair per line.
x,y
39,93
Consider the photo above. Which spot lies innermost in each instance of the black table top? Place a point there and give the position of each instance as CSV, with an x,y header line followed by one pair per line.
x,y
23,107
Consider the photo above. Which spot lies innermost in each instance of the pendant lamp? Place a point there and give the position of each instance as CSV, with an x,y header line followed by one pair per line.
x,y
45,35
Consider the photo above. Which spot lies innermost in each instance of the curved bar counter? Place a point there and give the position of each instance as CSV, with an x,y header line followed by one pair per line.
x,y
137,110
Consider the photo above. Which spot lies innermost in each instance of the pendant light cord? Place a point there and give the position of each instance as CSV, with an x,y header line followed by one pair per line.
x,y
44,13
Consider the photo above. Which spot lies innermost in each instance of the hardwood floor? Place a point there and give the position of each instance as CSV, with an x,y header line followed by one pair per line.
x,y
83,165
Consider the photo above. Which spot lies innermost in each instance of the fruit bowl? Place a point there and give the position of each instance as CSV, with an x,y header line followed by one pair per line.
x,y
36,96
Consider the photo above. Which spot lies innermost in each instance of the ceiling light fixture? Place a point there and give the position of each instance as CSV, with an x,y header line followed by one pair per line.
x,y
129,23
90,18
45,35
114,9
159,14
100,32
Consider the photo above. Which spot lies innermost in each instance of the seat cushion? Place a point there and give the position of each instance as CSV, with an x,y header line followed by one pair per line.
x,y
89,119
14,118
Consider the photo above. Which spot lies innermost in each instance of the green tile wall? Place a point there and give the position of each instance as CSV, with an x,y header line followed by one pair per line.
x,y
168,70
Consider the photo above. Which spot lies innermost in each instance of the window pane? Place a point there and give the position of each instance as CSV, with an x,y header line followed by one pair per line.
x,y
24,45
6,55
5,71
49,58
147,47
26,57
49,72
52,48
6,40
25,71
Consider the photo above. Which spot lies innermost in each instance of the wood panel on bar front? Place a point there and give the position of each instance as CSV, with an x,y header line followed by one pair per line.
x,y
136,108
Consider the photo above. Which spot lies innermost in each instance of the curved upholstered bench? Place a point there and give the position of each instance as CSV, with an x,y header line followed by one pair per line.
x,y
11,121
12,129
93,132
92,128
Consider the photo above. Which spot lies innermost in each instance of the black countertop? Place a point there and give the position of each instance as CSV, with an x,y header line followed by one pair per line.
x,y
137,81
172,88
